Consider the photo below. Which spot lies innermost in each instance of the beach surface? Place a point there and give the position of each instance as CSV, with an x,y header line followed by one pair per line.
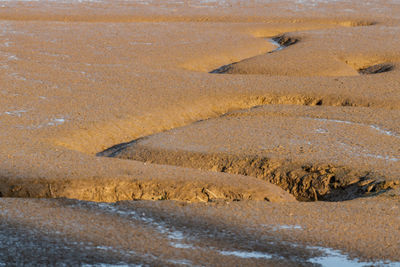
x,y
200,133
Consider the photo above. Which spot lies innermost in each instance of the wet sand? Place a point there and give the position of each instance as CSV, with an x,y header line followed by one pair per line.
x,y
289,154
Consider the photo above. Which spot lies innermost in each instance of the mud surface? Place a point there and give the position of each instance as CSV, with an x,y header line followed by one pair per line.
x,y
314,153
175,233
110,101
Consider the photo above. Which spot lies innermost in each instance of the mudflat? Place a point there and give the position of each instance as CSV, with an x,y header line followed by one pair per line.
x,y
200,132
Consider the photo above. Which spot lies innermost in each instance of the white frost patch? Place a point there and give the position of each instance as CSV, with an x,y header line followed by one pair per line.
x,y
282,227
288,227
12,57
161,227
381,157
246,254
333,258
181,245
17,76
390,133
56,122
375,127
140,43
176,235
351,150
329,258
337,121
321,131
17,113
181,262
51,122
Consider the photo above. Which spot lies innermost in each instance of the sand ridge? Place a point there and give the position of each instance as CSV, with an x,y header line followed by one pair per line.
x,y
313,152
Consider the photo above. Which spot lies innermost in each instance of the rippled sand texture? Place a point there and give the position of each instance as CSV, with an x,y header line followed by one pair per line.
x,y
248,132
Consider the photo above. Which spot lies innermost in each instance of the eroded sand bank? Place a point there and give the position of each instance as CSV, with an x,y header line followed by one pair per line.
x,y
114,101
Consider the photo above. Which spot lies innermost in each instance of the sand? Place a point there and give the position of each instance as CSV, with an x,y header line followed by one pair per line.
x,y
116,101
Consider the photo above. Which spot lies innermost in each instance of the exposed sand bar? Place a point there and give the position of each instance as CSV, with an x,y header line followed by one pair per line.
x,y
316,121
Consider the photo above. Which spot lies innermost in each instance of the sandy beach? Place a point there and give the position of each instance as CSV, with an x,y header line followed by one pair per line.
x,y
200,133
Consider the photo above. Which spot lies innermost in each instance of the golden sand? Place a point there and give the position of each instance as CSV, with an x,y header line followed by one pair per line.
x,y
112,101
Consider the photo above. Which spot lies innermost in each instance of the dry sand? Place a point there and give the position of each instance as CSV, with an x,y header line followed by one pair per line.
x,y
290,147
